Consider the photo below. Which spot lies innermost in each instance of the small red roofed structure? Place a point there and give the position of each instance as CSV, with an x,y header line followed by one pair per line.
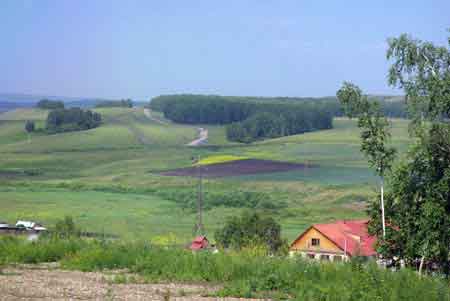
x,y
199,243
335,241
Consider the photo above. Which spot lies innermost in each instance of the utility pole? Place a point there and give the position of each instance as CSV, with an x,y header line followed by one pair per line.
x,y
199,226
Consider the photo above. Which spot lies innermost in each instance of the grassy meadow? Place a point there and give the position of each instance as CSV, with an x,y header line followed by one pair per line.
x,y
108,179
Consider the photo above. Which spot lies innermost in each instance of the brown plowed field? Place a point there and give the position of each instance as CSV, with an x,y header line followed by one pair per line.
x,y
236,168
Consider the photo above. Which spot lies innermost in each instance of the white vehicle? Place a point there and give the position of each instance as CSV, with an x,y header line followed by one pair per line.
x,y
30,225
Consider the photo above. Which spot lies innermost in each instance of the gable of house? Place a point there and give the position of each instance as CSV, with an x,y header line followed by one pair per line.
x,y
349,236
313,240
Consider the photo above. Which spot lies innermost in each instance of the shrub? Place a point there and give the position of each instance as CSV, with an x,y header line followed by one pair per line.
x,y
29,126
187,198
73,119
66,228
47,104
248,230
47,249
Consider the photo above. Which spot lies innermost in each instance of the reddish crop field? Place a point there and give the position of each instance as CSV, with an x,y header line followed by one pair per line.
x,y
236,168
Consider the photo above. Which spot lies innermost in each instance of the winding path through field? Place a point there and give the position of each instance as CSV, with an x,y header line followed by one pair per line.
x,y
148,114
202,132
202,138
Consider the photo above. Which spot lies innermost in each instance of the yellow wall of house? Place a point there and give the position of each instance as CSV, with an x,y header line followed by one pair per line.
x,y
305,243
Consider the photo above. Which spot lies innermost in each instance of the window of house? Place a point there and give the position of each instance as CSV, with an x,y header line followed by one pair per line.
x,y
324,257
315,242
337,258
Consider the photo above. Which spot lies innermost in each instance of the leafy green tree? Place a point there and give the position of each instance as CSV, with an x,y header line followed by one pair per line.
x,y
374,133
418,203
66,228
29,126
248,229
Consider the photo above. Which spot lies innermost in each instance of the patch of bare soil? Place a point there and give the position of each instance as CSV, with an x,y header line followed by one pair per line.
x,y
236,168
44,282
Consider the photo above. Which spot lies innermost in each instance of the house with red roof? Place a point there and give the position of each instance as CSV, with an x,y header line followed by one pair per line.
x,y
335,241
199,243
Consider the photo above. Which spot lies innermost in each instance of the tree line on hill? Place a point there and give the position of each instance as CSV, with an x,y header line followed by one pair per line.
x,y
392,107
123,103
47,104
247,119
60,119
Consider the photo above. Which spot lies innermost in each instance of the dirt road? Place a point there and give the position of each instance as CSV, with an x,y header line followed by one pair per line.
x,y
44,282
148,113
202,138
202,133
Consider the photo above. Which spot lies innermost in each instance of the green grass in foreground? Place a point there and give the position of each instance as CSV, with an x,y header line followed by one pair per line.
x,y
245,274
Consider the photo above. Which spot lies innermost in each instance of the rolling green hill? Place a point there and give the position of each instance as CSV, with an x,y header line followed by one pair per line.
x,y
108,178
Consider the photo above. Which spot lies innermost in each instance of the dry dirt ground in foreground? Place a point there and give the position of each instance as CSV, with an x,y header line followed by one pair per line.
x,y
47,282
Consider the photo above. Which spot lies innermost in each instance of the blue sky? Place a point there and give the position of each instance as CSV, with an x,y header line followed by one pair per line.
x,y
141,49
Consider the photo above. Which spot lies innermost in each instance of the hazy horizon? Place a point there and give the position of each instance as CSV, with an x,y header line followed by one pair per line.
x,y
140,49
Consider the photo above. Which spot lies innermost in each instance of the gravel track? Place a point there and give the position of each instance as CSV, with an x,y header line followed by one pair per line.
x,y
44,282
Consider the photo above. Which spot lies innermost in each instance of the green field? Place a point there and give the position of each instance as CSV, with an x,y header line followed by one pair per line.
x,y
107,178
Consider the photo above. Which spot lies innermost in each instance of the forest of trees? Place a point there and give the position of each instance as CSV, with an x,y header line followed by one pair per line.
x,y
47,104
123,103
392,107
294,120
248,119
73,119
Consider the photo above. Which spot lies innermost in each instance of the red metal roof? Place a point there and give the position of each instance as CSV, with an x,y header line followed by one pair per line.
x,y
200,242
349,235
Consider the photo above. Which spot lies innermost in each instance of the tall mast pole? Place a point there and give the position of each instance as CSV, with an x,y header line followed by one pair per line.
x,y
200,197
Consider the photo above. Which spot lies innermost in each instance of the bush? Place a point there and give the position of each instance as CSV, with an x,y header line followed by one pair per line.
x,y
47,104
65,228
29,126
47,249
248,230
187,199
73,119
